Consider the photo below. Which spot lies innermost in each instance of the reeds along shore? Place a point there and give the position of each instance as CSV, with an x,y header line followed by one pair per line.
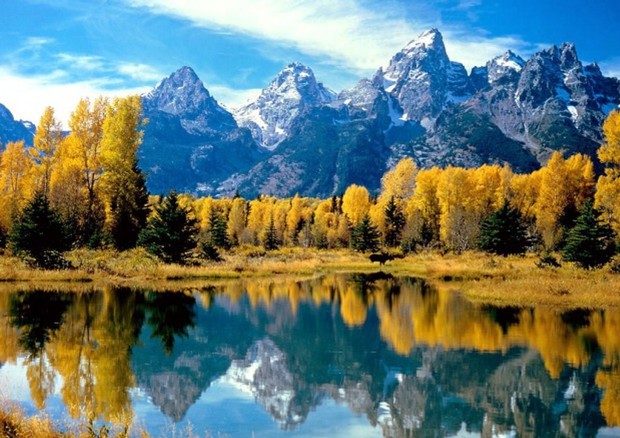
x,y
512,280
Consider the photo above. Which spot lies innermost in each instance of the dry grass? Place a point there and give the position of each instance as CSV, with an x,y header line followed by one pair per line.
x,y
480,277
14,424
517,281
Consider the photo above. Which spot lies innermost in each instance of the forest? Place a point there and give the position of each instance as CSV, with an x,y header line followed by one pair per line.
x,y
86,190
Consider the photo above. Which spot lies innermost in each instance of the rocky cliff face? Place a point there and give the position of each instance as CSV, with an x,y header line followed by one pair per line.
x,y
271,116
190,142
14,130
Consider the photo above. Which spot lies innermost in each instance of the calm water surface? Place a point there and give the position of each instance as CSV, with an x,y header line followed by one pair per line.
x,y
339,356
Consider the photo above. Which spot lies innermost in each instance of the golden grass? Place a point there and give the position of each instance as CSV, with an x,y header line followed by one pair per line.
x,y
480,277
517,281
14,424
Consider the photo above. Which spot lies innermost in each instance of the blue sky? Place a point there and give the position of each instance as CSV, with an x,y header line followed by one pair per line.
x,y
52,52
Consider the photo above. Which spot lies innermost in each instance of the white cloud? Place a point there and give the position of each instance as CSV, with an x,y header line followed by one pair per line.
x,y
233,98
140,72
345,32
27,97
611,67
32,42
81,62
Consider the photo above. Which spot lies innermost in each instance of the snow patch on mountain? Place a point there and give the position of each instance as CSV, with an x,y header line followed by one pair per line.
x,y
271,116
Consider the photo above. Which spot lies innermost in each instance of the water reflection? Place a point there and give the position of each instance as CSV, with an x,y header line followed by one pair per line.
x,y
408,359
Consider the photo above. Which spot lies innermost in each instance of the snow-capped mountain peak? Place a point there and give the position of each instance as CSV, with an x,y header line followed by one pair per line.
x,y
290,93
505,67
430,39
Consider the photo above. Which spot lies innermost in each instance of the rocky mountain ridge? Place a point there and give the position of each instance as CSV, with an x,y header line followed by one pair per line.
x,y
14,130
298,136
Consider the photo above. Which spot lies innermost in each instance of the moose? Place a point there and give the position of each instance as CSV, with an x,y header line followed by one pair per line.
x,y
383,257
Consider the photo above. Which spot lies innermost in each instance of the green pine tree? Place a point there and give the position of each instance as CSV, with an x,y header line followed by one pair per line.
x,y
365,236
503,232
589,243
39,233
129,211
394,223
171,232
218,233
270,240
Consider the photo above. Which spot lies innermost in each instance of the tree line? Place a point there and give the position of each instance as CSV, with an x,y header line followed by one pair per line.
x,y
85,189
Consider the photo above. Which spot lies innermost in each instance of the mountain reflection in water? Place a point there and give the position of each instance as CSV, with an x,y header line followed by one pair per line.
x,y
403,358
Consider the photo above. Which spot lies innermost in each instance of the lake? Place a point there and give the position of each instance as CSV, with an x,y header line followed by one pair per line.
x,y
338,356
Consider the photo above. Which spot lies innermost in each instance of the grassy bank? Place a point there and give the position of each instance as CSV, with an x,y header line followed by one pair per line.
x,y
481,277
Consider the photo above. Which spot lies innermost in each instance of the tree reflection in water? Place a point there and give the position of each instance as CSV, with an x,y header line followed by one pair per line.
x,y
412,359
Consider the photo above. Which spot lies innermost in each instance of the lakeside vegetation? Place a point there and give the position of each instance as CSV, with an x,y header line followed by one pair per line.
x,y
485,278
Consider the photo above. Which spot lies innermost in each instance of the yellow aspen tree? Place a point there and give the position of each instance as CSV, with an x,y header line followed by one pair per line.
x,y
237,219
123,185
608,185
609,153
400,181
83,148
414,223
524,191
458,222
356,203
257,219
425,202
15,185
204,207
324,221
67,191
279,209
294,219
553,199
342,233
582,179
47,140
490,189
377,214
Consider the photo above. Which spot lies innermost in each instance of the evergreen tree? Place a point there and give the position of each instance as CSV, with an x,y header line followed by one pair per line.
x,y
39,233
503,232
128,212
270,240
394,223
218,234
365,236
171,232
590,243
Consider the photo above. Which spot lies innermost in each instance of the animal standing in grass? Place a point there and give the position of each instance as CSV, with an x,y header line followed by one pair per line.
x,y
382,258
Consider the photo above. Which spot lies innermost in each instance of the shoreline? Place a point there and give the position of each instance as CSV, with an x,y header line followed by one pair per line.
x,y
480,277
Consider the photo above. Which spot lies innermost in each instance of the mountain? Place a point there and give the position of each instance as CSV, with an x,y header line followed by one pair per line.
x,y
191,143
297,136
426,106
423,80
271,116
14,130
